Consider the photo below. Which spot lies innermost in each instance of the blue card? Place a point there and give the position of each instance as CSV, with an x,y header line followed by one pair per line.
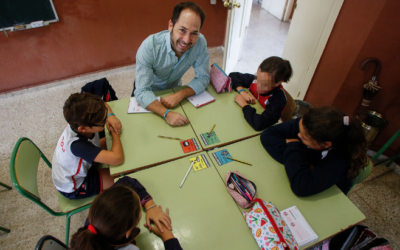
x,y
220,157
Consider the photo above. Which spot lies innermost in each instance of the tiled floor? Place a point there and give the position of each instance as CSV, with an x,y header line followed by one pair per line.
x,y
37,114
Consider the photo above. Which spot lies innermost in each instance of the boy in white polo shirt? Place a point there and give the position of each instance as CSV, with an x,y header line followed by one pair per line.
x,y
79,147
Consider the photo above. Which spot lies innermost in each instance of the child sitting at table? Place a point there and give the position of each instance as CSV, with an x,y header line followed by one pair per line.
x,y
267,88
79,147
323,148
114,215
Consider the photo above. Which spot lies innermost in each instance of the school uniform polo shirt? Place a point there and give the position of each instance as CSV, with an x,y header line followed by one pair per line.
x,y
72,159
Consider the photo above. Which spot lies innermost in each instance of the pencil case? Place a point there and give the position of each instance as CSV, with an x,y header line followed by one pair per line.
x,y
268,227
219,80
242,190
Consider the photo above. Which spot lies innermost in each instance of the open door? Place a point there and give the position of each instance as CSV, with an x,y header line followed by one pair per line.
x,y
235,27
309,31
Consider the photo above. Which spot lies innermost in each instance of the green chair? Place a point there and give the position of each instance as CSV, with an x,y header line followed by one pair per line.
x,y
363,174
390,160
23,170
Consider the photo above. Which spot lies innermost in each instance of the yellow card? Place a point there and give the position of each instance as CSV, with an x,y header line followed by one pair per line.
x,y
200,162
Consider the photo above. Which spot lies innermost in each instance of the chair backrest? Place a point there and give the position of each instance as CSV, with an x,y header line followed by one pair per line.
x,y
49,242
364,173
290,108
23,170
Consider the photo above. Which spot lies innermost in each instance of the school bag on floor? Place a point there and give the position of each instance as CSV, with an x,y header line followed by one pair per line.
x,y
268,227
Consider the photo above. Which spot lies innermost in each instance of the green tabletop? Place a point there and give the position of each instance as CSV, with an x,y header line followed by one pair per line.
x,y
327,213
203,214
142,147
225,113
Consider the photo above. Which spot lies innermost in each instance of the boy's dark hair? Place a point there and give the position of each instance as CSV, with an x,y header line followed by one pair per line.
x,y
326,124
280,68
187,5
84,109
112,213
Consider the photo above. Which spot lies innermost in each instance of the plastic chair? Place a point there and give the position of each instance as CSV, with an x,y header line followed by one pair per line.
x,y
49,242
363,174
23,170
290,108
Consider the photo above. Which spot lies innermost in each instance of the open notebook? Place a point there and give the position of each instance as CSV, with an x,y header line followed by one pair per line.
x,y
201,99
134,106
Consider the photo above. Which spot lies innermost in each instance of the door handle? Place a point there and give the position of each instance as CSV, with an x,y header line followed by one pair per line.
x,y
230,5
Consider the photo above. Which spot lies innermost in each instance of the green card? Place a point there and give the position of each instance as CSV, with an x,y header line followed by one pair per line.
x,y
209,138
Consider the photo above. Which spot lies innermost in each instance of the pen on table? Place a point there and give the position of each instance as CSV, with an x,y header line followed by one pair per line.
x,y
238,160
209,134
172,138
191,165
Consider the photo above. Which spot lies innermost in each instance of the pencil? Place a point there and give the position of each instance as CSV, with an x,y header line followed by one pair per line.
x,y
191,165
172,138
209,134
239,160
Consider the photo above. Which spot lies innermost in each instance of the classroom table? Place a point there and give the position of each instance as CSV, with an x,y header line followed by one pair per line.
x,y
203,214
328,212
142,148
225,113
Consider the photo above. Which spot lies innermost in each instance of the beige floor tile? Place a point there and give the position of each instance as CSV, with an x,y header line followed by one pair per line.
x,y
373,219
381,198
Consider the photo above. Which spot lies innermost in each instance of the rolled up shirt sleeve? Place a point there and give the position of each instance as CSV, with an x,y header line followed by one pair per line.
x,y
201,68
144,73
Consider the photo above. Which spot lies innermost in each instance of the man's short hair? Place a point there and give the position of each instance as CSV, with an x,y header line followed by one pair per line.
x,y
84,109
188,5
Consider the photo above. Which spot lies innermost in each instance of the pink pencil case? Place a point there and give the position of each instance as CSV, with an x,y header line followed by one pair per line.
x,y
239,187
219,80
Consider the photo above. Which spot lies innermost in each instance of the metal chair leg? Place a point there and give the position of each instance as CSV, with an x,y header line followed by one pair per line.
x,y
391,140
67,229
6,186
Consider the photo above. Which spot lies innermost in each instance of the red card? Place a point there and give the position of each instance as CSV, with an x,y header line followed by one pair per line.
x,y
189,145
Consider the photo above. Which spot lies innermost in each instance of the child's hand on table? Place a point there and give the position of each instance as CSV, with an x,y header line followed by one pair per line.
x,y
239,99
157,215
164,234
248,98
114,124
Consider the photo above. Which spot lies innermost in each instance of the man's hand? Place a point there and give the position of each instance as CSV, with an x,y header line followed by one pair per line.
x,y
239,99
114,124
291,140
171,101
175,119
249,98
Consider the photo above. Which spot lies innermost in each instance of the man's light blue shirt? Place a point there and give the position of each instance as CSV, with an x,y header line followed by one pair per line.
x,y
158,68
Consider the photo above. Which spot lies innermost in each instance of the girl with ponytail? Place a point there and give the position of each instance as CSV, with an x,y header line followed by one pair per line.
x,y
114,215
323,148
267,88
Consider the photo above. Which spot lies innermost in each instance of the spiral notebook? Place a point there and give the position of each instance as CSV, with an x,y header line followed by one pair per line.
x,y
201,99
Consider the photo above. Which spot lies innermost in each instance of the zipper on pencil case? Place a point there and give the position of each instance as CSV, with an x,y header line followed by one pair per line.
x,y
272,220
216,65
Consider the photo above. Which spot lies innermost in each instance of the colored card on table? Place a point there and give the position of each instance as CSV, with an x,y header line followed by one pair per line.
x,y
209,138
200,162
189,145
220,157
